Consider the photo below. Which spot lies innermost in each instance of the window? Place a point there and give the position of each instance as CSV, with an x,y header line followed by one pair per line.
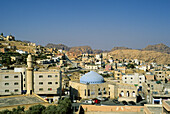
x,y
24,79
162,76
125,78
131,82
56,82
131,78
6,90
40,89
40,83
6,76
40,76
125,82
151,85
118,78
122,94
49,76
140,82
56,75
15,76
88,92
49,89
133,93
127,94
85,92
49,82
104,91
16,83
15,90
99,92
24,85
140,78
6,83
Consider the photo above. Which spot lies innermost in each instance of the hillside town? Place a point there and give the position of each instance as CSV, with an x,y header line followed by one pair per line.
x,y
94,82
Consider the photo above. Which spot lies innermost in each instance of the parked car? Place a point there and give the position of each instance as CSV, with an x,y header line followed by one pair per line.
x,y
116,101
97,101
132,102
100,98
89,102
124,102
105,98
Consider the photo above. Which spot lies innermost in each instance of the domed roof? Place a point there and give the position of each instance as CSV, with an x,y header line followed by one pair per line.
x,y
92,78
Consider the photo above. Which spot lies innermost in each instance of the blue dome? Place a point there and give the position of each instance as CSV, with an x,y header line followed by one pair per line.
x,y
92,78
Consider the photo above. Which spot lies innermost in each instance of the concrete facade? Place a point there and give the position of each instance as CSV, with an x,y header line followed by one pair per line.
x,y
10,83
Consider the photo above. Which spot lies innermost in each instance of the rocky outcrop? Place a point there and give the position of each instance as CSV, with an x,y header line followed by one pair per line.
x,y
148,56
81,49
57,46
158,47
119,48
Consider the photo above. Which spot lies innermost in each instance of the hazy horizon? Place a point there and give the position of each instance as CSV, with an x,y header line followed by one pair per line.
x,y
100,24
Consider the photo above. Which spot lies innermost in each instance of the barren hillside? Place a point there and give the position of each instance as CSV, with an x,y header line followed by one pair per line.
x,y
148,56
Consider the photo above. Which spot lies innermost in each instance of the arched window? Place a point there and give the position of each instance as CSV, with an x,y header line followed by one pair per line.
x,y
122,93
133,94
99,92
127,93
104,91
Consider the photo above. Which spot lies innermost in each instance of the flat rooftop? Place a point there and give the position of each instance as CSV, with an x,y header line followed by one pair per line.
x,y
168,102
19,100
155,110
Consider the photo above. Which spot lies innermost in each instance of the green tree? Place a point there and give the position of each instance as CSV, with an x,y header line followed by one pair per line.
x,y
6,112
132,66
19,110
64,106
36,109
51,109
2,34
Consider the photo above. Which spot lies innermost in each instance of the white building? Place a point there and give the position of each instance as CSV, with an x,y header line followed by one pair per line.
x,y
22,52
133,79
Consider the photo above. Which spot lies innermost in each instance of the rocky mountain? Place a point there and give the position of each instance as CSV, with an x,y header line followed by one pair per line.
x,y
119,48
148,56
57,46
158,47
81,49
97,51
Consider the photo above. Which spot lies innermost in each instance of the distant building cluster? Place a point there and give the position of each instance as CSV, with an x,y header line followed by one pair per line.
x,y
126,84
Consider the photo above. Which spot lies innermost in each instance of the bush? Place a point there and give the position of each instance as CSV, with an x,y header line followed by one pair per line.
x,y
36,109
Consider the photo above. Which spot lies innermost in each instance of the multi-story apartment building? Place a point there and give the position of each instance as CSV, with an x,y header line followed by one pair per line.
x,y
118,74
47,82
28,81
155,92
160,75
11,82
133,79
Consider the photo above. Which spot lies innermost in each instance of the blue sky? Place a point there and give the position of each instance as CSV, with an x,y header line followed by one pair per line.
x,y
101,24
